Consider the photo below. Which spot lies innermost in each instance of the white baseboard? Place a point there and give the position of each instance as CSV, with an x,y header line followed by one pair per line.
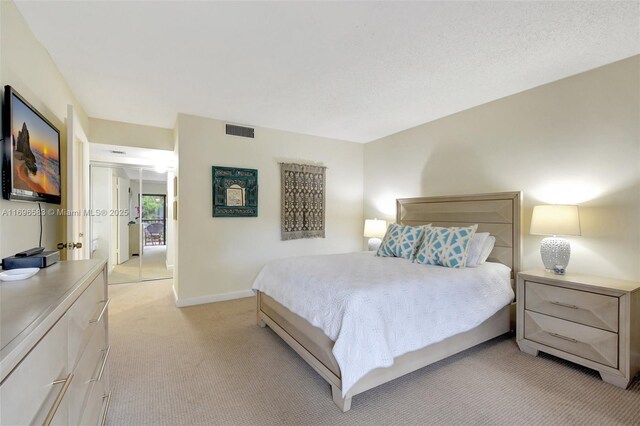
x,y
190,301
169,267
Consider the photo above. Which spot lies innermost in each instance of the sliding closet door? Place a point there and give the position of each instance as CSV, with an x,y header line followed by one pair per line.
x,y
154,212
115,222
131,223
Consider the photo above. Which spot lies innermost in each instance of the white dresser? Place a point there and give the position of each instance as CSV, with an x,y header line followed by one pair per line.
x,y
54,341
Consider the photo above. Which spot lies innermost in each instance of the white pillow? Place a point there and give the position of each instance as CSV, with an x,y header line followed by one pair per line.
x,y
475,249
486,250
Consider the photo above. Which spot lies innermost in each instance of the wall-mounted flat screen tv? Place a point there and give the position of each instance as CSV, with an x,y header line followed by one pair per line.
x,y
31,153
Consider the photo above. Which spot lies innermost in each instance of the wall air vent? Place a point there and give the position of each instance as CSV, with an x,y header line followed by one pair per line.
x,y
245,132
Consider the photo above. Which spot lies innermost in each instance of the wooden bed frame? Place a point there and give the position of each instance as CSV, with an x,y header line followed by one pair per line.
x,y
498,213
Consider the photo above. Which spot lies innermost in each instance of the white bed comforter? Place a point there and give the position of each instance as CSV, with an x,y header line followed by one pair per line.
x,y
378,308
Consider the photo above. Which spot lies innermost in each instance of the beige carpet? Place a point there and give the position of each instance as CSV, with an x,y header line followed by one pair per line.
x,y
211,365
154,266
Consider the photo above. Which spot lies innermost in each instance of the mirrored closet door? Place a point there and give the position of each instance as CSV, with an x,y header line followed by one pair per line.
x,y
129,222
155,223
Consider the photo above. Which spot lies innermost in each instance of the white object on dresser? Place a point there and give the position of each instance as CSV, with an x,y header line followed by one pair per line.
x,y
18,274
592,321
54,346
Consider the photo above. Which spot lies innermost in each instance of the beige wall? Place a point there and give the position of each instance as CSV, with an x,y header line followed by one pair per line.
x,y
576,140
27,66
218,256
127,134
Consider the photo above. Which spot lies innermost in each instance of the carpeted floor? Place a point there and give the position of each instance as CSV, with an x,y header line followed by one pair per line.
x,y
153,262
211,365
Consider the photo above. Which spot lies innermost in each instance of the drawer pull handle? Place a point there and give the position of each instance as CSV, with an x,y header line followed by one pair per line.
x,y
103,366
106,409
104,309
564,305
560,336
58,400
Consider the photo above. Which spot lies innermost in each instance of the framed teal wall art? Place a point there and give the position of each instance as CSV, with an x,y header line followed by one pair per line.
x,y
235,192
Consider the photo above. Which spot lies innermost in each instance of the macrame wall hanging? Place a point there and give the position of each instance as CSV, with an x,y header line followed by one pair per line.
x,y
303,201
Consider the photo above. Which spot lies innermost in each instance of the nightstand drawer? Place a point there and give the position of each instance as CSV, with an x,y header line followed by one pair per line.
x,y
596,310
586,342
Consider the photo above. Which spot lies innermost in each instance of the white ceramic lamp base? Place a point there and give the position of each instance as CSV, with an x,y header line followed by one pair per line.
x,y
374,244
555,252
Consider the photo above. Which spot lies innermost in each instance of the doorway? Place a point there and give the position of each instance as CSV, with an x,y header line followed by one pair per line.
x,y
129,225
154,222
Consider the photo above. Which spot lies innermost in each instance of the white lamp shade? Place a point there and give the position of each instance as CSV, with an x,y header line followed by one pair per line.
x,y
555,220
374,228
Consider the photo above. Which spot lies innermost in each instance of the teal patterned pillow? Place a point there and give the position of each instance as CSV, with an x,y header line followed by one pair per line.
x,y
446,246
401,241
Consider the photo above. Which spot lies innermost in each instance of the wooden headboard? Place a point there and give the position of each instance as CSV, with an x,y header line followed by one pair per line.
x,y
499,214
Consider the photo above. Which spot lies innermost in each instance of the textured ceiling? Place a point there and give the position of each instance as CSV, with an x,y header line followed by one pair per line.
x,y
354,71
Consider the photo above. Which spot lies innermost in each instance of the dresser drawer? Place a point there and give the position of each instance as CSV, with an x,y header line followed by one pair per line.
x,y
83,316
29,394
596,310
89,370
97,405
577,339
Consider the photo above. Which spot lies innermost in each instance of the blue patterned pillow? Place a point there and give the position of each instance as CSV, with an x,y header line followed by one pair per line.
x,y
401,241
446,246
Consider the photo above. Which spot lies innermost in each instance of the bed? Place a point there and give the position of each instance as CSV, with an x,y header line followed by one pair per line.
x,y
497,213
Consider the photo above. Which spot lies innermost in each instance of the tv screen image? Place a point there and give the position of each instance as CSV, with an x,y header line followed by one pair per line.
x,y
34,153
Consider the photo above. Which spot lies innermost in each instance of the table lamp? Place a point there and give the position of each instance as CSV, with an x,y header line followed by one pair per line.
x,y
555,220
375,230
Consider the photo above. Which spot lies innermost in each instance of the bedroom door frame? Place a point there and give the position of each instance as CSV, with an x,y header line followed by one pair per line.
x,y
78,222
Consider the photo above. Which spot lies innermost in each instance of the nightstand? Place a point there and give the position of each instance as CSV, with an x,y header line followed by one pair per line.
x,y
592,321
